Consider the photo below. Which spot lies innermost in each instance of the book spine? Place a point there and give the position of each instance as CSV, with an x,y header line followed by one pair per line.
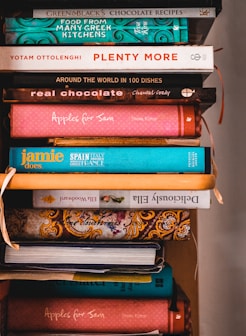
x,y
115,181
95,30
71,120
110,159
151,95
160,286
101,80
94,315
105,224
182,59
122,199
203,12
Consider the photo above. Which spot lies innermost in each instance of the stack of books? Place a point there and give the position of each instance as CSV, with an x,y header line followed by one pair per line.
x,y
103,109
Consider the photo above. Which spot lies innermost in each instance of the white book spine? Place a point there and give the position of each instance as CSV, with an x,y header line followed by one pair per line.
x,y
174,59
125,13
122,199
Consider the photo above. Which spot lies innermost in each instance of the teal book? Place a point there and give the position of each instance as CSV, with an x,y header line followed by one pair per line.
x,y
160,286
95,30
171,159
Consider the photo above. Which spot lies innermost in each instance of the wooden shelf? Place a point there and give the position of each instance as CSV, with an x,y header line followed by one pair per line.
x,y
27,181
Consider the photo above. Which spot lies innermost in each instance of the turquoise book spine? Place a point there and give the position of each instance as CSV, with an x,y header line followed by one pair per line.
x,y
95,31
110,159
161,286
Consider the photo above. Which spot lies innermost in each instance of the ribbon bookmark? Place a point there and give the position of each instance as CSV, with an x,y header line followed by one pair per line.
x,y
10,173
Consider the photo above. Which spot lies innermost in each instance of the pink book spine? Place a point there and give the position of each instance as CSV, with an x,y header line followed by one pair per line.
x,y
94,315
71,120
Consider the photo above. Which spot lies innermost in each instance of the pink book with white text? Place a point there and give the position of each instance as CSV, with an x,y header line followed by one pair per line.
x,y
71,120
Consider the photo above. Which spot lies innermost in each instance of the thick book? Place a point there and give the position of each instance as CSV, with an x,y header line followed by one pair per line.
x,y
134,58
101,80
93,315
111,159
71,120
205,97
160,286
84,256
122,199
95,30
25,224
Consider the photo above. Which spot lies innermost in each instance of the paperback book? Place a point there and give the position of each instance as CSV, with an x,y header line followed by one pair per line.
x,y
95,30
122,199
69,275
71,120
121,141
97,4
101,80
126,257
110,159
160,286
134,58
25,224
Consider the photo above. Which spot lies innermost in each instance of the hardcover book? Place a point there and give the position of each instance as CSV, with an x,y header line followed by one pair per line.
x,y
135,58
110,159
97,225
126,257
122,141
200,19
120,12
160,286
30,4
101,80
122,199
23,181
205,97
122,315
95,30
71,120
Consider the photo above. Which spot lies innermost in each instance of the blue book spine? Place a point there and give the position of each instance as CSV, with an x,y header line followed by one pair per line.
x,y
95,30
161,286
110,159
